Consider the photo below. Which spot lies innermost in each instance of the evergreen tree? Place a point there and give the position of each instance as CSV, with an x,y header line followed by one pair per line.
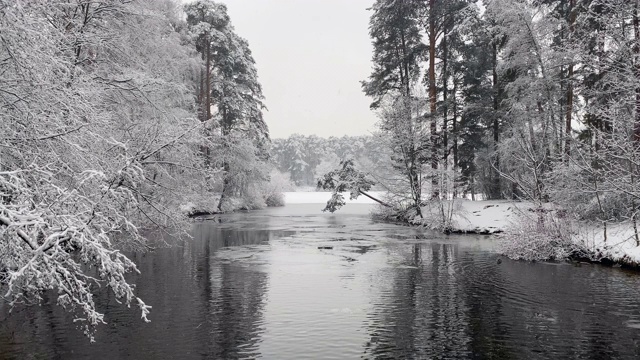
x,y
229,85
394,28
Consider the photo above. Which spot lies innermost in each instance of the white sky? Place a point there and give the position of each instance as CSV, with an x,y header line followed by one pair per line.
x,y
311,56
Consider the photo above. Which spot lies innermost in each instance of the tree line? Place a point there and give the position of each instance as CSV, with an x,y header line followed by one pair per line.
x,y
115,116
306,158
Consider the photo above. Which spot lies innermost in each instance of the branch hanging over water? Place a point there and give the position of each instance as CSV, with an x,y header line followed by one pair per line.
x,y
346,178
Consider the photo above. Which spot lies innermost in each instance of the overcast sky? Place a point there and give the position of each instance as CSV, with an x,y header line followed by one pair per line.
x,y
311,56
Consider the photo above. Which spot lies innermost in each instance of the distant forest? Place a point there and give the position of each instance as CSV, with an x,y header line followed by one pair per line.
x,y
306,158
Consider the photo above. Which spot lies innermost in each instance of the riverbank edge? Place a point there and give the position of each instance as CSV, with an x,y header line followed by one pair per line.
x,y
194,214
495,217
201,207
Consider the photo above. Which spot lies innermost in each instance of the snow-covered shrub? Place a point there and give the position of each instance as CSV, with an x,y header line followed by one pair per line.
x,y
438,215
384,213
273,191
540,235
275,200
206,204
609,206
250,200
573,188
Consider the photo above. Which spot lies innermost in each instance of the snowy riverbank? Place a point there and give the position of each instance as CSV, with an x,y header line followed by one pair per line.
x,y
510,218
477,217
619,246
503,216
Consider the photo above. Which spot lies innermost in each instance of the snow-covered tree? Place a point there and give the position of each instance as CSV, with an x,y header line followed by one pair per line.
x,y
98,142
230,96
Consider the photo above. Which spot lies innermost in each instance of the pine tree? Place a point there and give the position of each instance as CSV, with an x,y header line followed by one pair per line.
x,y
394,28
229,85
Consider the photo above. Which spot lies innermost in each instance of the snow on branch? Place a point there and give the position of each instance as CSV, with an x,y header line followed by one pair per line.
x,y
343,179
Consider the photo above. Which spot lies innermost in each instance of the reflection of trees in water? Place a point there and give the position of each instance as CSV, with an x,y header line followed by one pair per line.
x,y
556,311
431,310
201,308
39,329
234,295
445,302
487,332
439,301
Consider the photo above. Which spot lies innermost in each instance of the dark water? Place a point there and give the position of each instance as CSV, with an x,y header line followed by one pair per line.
x,y
256,286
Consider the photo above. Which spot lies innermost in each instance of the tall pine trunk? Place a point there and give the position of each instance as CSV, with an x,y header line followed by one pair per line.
x,y
496,191
567,131
454,132
207,102
445,109
226,183
636,51
432,98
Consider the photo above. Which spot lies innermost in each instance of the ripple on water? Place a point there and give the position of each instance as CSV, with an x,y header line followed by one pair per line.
x,y
256,285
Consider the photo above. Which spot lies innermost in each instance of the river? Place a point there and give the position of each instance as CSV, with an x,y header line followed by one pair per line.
x,y
296,283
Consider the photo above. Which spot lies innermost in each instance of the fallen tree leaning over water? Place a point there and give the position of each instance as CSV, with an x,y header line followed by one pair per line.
x,y
346,178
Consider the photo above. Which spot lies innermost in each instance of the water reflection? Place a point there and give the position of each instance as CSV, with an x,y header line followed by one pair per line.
x,y
448,302
294,283
202,307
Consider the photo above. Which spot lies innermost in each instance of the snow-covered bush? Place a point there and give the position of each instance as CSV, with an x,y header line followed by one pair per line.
x,y
540,235
246,202
273,191
275,200
438,215
244,172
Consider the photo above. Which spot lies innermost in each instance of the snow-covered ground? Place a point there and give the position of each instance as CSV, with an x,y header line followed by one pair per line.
x,y
619,246
487,217
494,216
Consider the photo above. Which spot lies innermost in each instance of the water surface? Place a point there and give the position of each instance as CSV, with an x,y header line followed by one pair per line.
x,y
295,283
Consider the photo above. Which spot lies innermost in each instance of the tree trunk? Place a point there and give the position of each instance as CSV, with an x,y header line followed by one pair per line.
x,y
496,123
374,199
454,132
432,97
636,51
225,186
204,94
567,131
208,81
226,131
445,112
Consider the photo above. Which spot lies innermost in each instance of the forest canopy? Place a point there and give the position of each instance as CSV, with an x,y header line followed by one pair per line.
x,y
536,100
